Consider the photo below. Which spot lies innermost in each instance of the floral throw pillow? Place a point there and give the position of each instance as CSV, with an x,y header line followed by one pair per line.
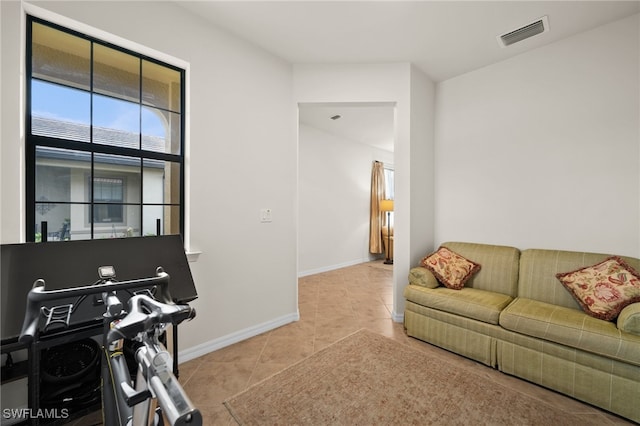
x,y
603,289
450,268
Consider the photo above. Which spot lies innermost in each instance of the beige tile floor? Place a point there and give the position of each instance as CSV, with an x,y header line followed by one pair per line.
x,y
332,305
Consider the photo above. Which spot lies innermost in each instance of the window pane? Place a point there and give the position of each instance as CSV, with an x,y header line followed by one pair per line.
x,y
160,86
108,190
108,213
116,73
60,175
161,182
116,221
80,229
153,181
116,179
151,214
57,217
389,184
160,131
116,122
169,219
64,222
171,223
64,120
60,57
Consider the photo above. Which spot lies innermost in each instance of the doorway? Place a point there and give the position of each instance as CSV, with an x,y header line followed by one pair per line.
x,y
337,145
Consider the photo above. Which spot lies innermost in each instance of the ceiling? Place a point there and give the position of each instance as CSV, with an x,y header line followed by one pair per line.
x,y
442,38
369,124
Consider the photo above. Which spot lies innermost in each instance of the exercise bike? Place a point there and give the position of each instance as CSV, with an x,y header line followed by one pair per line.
x,y
125,402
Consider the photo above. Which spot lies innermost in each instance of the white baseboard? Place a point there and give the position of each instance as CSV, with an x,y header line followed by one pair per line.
x,y
238,336
397,316
331,267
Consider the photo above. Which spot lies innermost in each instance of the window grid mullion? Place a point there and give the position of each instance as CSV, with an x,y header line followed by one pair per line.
x,y
92,168
182,150
141,207
47,141
30,149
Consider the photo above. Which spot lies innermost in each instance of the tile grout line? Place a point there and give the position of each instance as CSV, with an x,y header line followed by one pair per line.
x,y
255,364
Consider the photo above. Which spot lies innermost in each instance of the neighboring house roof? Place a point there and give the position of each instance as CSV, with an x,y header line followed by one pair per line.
x,y
80,132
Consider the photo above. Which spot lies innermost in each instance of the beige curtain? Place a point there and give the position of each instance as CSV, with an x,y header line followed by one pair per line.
x,y
376,219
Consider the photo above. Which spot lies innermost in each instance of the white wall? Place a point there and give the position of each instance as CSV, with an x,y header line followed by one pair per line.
x,y
421,160
11,119
543,150
334,181
397,83
242,157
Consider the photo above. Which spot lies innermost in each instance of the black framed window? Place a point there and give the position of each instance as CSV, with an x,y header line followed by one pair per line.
x,y
104,138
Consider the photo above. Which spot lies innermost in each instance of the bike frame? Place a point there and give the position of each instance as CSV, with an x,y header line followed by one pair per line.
x,y
123,405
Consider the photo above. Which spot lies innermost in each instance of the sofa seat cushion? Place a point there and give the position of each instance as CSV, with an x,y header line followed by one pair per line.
x,y
471,303
570,327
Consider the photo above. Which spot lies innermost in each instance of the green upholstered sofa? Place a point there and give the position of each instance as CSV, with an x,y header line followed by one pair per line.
x,y
516,316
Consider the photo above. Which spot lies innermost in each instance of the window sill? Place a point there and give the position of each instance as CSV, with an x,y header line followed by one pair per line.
x,y
192,256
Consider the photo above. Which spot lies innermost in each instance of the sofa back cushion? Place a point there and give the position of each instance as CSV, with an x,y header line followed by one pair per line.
x,y
538,269
498,266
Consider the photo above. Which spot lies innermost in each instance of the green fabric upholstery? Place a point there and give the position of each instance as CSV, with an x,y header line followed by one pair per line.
x,y
572,328
498,266
629,319
458,339
587,360
601,387
458,321
515,315
423,277
472,303
538,269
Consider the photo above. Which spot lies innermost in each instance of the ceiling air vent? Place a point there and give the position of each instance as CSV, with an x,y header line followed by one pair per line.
x,y
537,27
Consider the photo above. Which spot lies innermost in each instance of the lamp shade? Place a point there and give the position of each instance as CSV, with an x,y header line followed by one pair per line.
x,y
386,205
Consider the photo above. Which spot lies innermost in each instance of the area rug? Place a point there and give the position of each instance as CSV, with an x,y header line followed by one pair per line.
x,y
369,379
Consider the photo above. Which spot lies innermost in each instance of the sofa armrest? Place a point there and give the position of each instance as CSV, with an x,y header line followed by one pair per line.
x,y
629,319
422,277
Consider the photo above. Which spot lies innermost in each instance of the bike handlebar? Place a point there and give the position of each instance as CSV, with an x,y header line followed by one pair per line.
x,y
145,313
38,295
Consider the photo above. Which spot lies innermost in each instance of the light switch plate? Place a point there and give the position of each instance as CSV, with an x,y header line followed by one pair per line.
x,y
265,215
